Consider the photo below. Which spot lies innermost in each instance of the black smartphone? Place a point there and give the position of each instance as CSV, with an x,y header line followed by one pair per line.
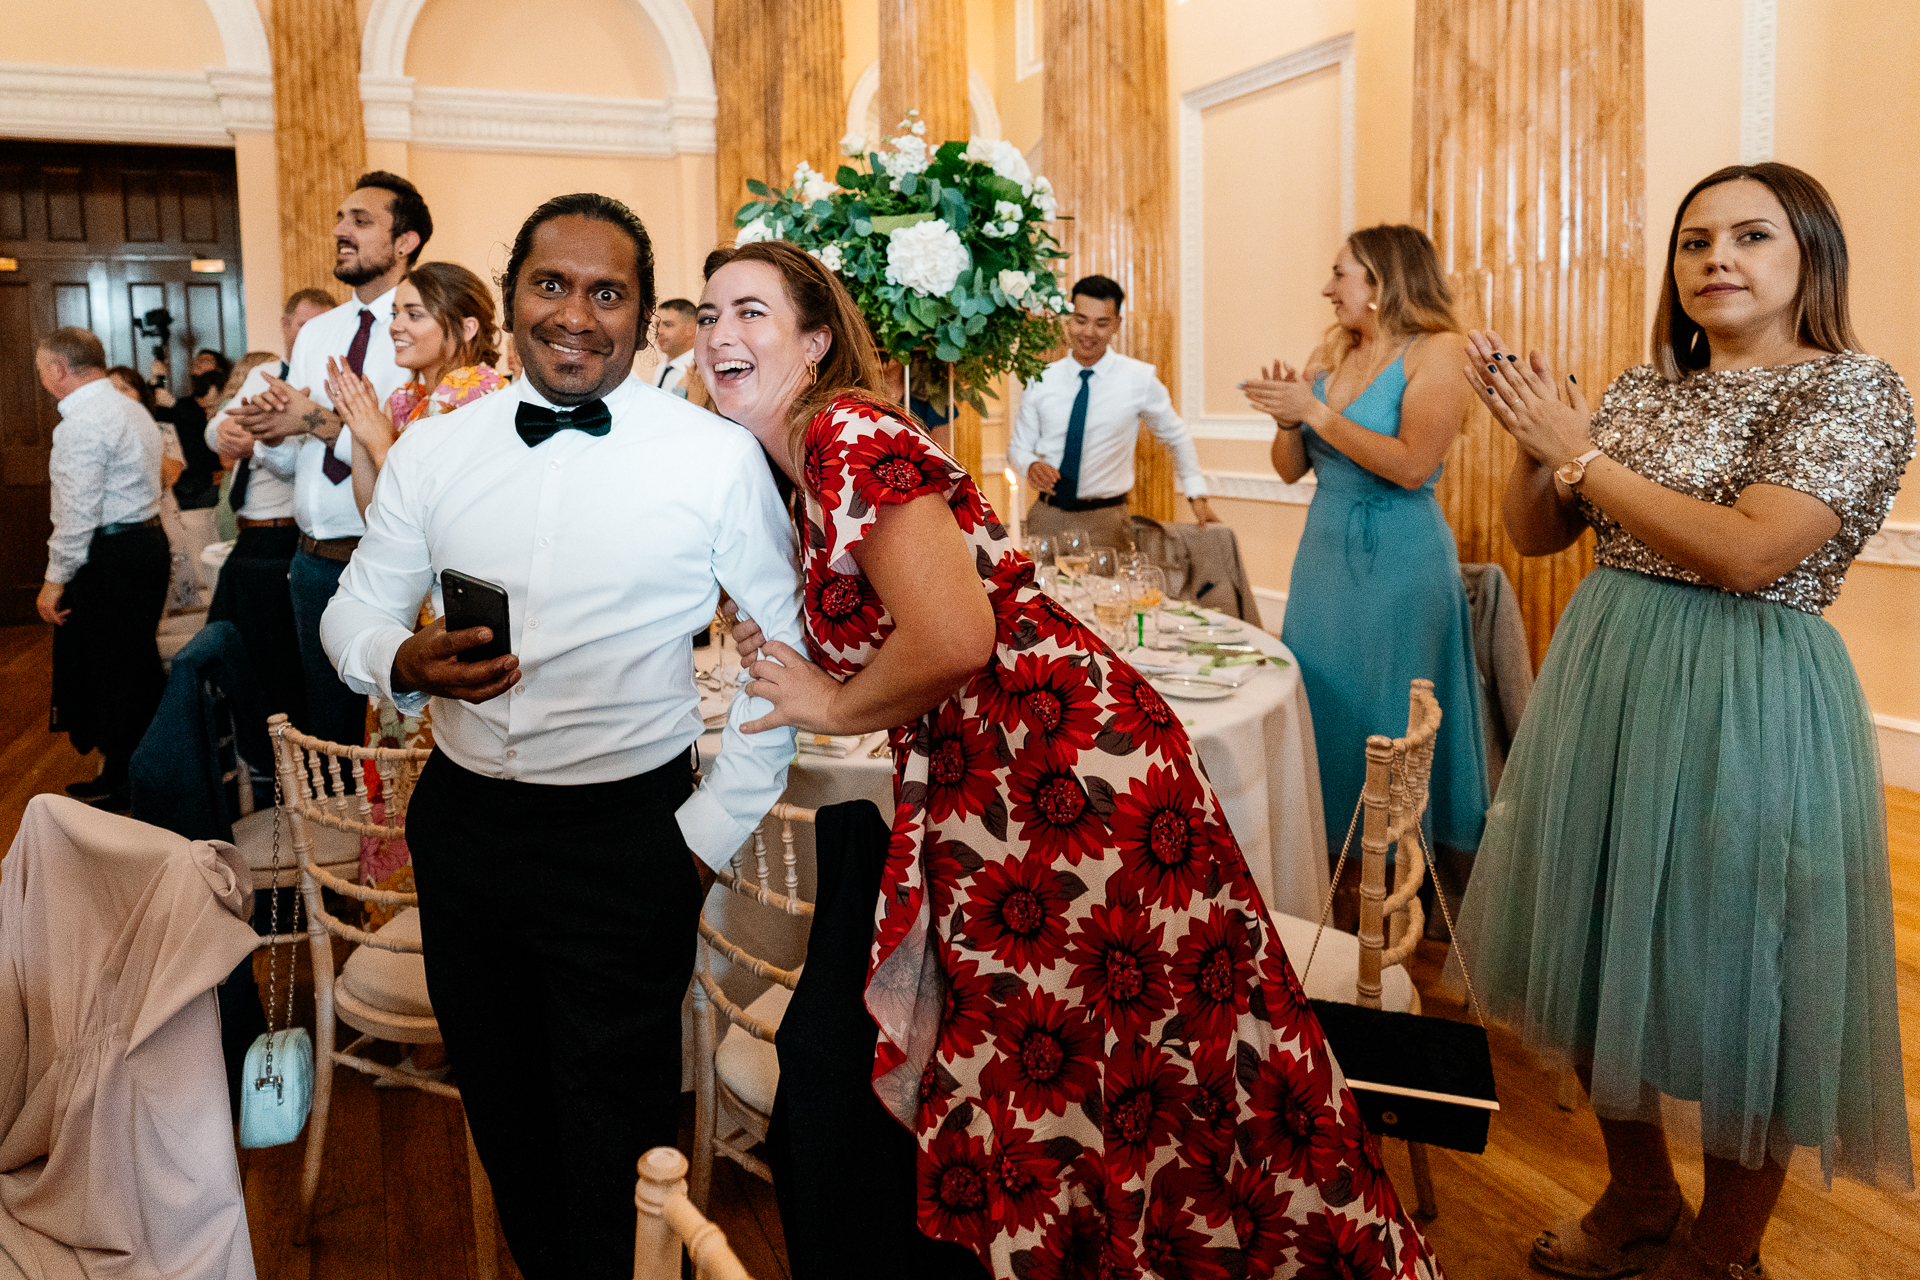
x,y
471,602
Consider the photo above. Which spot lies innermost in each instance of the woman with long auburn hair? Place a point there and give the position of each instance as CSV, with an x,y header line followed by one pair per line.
x,y
1055,1034
1376,598
1684,885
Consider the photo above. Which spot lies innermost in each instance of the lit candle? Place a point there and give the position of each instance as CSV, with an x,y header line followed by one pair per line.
x,y
1013,503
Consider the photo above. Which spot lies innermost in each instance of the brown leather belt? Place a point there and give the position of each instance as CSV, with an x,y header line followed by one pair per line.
x,y
280,522
126,526
340,549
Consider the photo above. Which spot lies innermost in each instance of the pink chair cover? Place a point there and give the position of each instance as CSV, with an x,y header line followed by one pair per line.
x,y
116,1142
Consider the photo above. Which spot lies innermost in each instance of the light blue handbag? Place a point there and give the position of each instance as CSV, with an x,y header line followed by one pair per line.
x,y
276,1082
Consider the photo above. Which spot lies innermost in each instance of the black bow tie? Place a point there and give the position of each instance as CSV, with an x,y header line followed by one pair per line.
x,y
536,423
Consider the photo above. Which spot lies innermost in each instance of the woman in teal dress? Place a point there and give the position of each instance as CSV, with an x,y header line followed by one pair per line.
x,y
1376,598
1683,888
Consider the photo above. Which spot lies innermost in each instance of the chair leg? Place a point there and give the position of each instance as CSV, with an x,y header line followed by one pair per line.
x,y
1424,1207
700,1179
323,1037
486,1254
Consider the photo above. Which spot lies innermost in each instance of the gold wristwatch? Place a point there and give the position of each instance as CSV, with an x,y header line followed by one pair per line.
x,y
1572,473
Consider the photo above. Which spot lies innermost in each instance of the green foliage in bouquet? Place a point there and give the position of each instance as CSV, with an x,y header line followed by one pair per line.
x,y
946,252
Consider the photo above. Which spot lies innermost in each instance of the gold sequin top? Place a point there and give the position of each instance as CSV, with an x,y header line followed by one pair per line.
x,y
1839,428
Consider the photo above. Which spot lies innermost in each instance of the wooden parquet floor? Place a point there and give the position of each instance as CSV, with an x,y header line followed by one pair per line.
x,y
393,1193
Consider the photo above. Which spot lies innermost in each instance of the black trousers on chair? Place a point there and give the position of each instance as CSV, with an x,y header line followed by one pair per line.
x,y
253,595
558,924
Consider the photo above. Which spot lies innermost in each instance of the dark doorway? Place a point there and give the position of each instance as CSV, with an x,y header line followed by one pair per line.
x,y
100,236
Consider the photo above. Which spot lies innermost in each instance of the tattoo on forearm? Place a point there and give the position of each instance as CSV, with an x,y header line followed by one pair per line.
x,y
314,419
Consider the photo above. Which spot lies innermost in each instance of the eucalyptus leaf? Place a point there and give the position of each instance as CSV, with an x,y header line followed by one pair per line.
x,y
946,354
909,183
758,187
888,225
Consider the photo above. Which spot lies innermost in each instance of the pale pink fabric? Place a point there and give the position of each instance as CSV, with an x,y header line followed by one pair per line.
x,y
116,1142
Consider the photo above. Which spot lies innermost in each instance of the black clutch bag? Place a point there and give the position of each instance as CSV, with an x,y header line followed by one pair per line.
x,y
1422,1079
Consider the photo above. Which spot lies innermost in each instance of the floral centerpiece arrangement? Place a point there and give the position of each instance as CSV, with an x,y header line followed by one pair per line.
x,y
945,251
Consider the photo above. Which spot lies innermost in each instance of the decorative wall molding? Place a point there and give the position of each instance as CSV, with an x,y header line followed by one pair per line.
x,y
127,104
1260,486
1898,542
863,107
1336,51
397,109
243,36
1273,608
1759,28
1899,751
1028,56
1233,426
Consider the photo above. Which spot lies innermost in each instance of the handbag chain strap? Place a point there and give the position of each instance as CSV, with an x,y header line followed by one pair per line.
x,y
267,1074
1440,895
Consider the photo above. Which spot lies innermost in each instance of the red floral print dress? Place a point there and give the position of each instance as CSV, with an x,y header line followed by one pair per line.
x,y
1085,1016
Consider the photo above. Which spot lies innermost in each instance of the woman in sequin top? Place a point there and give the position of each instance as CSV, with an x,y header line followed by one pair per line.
x,y
1683,887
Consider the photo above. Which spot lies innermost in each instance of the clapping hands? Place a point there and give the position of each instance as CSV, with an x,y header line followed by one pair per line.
x,y
1282,393
1546,415
357,402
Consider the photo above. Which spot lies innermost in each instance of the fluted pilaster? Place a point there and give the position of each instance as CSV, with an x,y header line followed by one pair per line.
x,y
320,142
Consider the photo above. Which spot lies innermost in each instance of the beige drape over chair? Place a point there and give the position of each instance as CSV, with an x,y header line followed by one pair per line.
x,y
116,1139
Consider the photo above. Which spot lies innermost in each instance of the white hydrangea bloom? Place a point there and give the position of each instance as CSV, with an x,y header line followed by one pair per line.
x,y
926,257
1015,283
853,145
758,229
920,127
1043,197
1007,211
1004,158
812,184
909,155
828,257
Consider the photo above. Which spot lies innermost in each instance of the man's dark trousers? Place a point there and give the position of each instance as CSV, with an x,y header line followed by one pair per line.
x,y
334,712
559,926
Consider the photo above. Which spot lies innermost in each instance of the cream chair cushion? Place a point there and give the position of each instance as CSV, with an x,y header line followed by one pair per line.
x,y
391,981
1336,965
253,835
747,1064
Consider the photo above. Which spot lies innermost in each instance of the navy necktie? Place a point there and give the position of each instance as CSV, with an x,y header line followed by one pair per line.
x,y
331,467
537,423
1068,489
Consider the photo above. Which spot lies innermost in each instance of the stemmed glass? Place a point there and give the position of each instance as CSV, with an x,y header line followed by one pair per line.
x,y
1103,562
1147,587
1071,551
1112,609
1040,549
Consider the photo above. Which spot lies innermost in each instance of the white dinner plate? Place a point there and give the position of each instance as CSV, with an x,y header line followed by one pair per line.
x,y
1191,688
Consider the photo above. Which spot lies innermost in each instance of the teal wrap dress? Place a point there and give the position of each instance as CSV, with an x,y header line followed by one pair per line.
x,y
1376,601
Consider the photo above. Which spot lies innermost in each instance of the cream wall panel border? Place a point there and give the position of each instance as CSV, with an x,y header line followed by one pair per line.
x,y
1336,51
1759,29
128,104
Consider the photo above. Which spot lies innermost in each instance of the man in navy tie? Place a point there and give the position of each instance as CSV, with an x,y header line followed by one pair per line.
x,y
378,234
1073,437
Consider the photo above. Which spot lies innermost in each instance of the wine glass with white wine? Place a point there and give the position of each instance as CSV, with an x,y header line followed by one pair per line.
x,y
1112,609
1072,550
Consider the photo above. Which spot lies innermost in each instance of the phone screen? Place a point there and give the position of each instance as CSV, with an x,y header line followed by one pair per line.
x,y
473,602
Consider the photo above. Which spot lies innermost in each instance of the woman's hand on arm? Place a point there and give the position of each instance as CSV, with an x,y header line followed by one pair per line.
x,y
355,401
922,568
1286,397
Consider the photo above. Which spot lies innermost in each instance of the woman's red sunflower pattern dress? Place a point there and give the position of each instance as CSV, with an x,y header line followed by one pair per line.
x,y
1085,1016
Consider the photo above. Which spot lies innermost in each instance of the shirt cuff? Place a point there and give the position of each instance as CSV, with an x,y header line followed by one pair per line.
x,y
380,649
1196,488
709,830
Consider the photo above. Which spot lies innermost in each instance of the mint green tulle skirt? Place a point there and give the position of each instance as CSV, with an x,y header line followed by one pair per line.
x,y
1684,877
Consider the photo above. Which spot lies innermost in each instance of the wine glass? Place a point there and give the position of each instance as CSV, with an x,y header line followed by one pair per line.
x,y
1147,586
1103,562
1040,548
1072,549
1046,577
1132,558
1112,609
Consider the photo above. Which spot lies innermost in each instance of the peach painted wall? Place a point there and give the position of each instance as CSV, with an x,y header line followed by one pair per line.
x,y
171,35
605,48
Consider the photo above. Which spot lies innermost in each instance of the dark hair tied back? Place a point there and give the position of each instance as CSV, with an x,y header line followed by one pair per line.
x,y
599,208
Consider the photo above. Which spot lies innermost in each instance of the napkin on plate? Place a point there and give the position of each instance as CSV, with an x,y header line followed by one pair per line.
x,y
1234,669
839,746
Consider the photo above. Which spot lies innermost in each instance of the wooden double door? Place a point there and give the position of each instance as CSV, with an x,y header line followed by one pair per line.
x,y
99,237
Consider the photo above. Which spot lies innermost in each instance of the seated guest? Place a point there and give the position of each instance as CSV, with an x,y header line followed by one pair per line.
x,y
1092,1048
107,561
560,847
252,591
1684,886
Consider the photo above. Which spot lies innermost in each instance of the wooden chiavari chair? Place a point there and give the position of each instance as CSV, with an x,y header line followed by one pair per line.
x,y
668,1222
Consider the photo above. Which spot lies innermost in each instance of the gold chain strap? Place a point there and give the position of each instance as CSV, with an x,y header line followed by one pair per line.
x,y
267,1075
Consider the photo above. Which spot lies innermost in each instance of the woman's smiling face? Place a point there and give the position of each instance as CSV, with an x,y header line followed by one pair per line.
x,y
1736,262
749,346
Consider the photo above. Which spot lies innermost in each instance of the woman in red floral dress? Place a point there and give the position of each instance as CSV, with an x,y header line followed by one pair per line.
x,y
1085,1017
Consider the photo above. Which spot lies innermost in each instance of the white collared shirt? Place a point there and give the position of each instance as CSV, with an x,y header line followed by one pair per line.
x,y
1123,393
322,508
612,550
269,497
668,375
104,469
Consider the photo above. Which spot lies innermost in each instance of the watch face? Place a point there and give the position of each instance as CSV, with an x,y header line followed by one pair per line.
x,y
1570,473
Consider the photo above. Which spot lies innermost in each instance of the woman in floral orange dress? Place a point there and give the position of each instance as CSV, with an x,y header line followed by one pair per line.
x,y
1084,1016
443,330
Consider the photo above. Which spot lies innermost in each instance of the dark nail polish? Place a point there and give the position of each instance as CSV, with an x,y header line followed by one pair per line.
x,y
1514,358
1571,378
1493,368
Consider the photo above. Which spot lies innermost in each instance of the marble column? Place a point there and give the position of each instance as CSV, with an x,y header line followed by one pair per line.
x,y
777,67
320,141
1529,173
1108,148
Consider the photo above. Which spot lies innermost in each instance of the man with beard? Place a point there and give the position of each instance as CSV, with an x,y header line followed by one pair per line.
x,y
560,847
378,234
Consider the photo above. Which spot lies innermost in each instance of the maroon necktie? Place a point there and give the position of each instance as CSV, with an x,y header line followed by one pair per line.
x,y
331,467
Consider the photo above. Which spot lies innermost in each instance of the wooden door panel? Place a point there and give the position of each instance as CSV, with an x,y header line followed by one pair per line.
x,y
13,202
72,305
199,209
140,198
204,327
66,208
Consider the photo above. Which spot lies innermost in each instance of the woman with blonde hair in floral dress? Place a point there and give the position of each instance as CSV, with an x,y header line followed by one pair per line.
x,y
443,330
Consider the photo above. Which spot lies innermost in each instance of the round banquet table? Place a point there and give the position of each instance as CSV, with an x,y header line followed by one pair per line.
x,y
1256,746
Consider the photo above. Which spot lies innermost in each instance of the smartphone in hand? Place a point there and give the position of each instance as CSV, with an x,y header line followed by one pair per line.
x,y
473,602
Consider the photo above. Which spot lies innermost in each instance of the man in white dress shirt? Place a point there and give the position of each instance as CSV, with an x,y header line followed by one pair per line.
x,y
252,589
378,234
107,561
1074,435
560,847
673,333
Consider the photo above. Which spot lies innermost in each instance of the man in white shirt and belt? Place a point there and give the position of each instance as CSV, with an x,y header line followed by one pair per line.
x,y
107,561
1074,435
560,847
252,589
378,234
673,330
